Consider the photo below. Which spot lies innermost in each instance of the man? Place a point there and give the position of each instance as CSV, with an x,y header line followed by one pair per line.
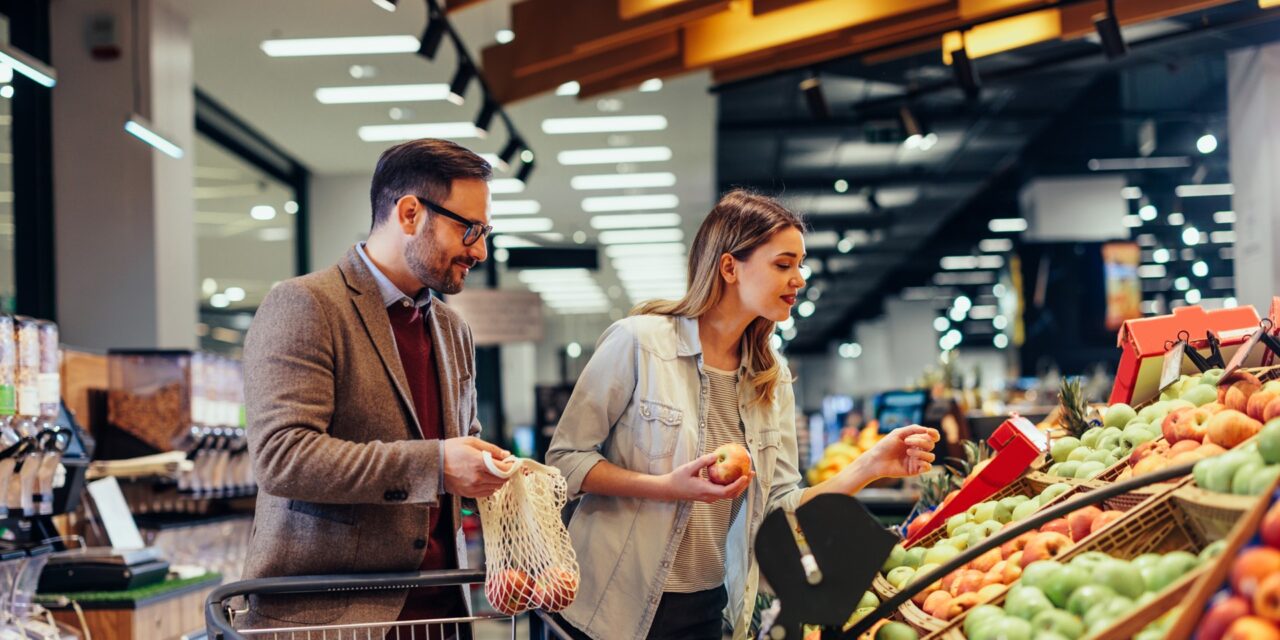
x,y
361,401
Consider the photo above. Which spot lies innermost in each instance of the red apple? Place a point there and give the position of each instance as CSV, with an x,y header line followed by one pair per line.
x,y
1257,405
1061,525
1196,426
555,589
961,604
918,523
1240,386
969,582
986,561
510,591
937,604
1147,449
1044,546
1251,628
1266,600
1229,428
1169,427
1270,527
1105,518
1153,463
1081,521
1252,567
1272,410
1017,544
732,462
1215,622
1182,447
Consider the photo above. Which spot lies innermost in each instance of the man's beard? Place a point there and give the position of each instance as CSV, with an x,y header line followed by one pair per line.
x,y
429,266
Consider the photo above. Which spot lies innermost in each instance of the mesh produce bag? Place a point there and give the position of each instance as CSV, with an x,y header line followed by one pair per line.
x,y
529,562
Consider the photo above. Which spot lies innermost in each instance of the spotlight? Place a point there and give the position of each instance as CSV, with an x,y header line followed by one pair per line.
x,y
525,170
812,88
388,5
461,79
966,73
432,35
508,152
1108,27
873,205
485,118
910,126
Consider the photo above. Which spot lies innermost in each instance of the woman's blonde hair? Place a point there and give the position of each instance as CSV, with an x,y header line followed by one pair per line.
x,y
738,225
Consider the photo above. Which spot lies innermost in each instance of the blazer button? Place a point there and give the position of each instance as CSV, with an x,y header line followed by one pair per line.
x,y
419,544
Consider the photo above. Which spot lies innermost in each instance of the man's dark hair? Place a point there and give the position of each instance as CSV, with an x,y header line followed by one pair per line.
x,y
426,168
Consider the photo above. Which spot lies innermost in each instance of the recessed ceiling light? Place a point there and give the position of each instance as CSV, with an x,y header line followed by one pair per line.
x,y
1137,164
219,301
627,250
614,156
630,203
1007,225
1224,217
651,85
1201,190
640,236
515,207
503,36
522,225
262,212
570,88
397,132
235,294
383,93
995,245
348,46
636,221
275,234
291,207
603,124
623,181
208,286
1131,193
506,185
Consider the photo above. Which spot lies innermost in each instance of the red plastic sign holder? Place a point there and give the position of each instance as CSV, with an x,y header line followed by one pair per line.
x,y
1017,444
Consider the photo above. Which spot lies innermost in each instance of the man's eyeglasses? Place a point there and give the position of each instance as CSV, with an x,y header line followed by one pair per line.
x,y
475,230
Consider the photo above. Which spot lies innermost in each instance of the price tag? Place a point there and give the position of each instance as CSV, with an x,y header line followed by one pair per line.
x,y
1241,355
1172,368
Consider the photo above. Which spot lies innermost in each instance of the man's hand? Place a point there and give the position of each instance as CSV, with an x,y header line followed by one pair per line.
x,y
687,482
465,474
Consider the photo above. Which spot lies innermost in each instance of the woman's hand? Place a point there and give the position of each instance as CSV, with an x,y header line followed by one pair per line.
x,y
905,452
688,482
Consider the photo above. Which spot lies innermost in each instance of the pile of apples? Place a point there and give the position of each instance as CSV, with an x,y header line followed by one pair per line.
x,y
839,454
1065,601
1123,430
986,576
512,591
1195,433
1249,606
1247,470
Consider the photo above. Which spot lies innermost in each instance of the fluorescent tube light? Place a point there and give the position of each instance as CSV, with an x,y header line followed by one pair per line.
x,y
41,73
623,181
603,124
638,236
614,156
346,46
140,128
383,93
636,221
1201,190
397,132
625,250
630,203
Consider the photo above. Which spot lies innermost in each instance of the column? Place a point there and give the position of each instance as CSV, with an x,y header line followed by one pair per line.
x,y
1253,100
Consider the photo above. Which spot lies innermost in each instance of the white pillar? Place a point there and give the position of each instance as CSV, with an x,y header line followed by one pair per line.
x,y
1253,100
125,213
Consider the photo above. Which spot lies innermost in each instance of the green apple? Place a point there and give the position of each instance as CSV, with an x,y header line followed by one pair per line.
x,y
1088,597
1050,635
1263,481
1005,628
1025,602
1026,508
959,542
1147,596
1052,491
1120,576
1059,622
940,554
1113,458
859,614
924,570
1218,477
1054,469
1243,478
1269,441
982,532
1090,436
900,576
1089,470
1068,469
1138,433
978,614
1099,455
1012,502
1062,447
1090,559
896,558
868,599
1078,454
1200,472
1109,441
1059,586
915,557
1145,560
1038,573
1118,415
955,521
1105,613
1212,551
984,511
1211,377
1149,413
1172,566
1200,395
962,530
896,631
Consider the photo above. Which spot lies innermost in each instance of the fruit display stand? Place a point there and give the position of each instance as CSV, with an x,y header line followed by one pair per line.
x,y
1159,525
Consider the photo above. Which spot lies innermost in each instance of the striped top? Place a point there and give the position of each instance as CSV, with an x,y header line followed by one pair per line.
x,y
699,562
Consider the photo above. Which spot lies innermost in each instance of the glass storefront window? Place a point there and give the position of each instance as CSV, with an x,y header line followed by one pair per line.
x,y
7,279
246,242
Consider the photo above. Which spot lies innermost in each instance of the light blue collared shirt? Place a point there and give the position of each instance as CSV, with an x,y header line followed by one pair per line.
x,y
391,294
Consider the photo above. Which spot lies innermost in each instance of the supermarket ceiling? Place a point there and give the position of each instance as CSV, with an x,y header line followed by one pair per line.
x,y
885,205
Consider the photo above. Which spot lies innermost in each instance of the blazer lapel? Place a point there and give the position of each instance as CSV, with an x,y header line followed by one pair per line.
x,y
446,371
368,303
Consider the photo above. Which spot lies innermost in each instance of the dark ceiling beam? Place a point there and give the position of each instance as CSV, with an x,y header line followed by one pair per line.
x,y
935,120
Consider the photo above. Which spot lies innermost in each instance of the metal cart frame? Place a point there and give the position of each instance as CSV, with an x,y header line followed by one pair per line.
x,y
218,615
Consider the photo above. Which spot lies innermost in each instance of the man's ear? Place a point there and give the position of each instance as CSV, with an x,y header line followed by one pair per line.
x,y
728,268
408,213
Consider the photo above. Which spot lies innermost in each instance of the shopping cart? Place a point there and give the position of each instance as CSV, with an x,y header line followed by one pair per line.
x,y
220,615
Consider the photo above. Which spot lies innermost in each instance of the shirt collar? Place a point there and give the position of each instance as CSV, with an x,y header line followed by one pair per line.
x,y
391,294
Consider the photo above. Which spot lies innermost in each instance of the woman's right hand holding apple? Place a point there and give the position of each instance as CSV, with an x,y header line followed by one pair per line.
x,y
687,482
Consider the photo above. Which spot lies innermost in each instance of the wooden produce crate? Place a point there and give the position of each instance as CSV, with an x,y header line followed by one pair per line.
x,y
1160,524
1216,514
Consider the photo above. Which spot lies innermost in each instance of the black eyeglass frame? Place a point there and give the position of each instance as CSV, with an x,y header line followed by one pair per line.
x,y
475,230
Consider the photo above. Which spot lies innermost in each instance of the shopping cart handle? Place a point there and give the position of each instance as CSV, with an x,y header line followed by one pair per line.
x,y
220,626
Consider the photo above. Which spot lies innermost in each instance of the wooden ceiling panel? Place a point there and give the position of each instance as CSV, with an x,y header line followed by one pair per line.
x,y
500,61
1077,20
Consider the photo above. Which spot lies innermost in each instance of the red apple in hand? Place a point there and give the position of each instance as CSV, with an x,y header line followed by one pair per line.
x,y
732,462
510,591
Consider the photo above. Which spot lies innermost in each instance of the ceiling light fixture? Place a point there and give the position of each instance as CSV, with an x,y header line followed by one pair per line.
x,y
382,93
811,86
640,236
485,118
505,186
503,36
522,225
515,207
636,221
651,85
602,204
1207,143
622,181
1137,164
1108,28
461,80
345,46
39,72
965,71
387,5
1007,225
603,124
397,132
141,129
614,155
1204,190
570,88
526,169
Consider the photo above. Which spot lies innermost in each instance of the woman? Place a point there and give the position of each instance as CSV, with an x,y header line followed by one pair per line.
x,y
657,541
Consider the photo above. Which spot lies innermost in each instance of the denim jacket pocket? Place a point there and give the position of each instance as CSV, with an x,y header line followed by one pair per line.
x,y
658,428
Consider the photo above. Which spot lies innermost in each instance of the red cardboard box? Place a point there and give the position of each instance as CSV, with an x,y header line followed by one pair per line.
x,y
1144,341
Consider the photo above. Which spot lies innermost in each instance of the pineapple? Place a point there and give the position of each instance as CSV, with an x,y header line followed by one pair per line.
x,y
1075,407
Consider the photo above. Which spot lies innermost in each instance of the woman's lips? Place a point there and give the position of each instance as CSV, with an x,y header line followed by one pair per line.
x,y
789,299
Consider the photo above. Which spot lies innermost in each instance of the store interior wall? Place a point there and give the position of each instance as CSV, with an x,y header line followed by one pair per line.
x,y
125,232
1253,100
340,216
1081,209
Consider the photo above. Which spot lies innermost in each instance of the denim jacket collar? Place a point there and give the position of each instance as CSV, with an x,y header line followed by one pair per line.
x,y
689,344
